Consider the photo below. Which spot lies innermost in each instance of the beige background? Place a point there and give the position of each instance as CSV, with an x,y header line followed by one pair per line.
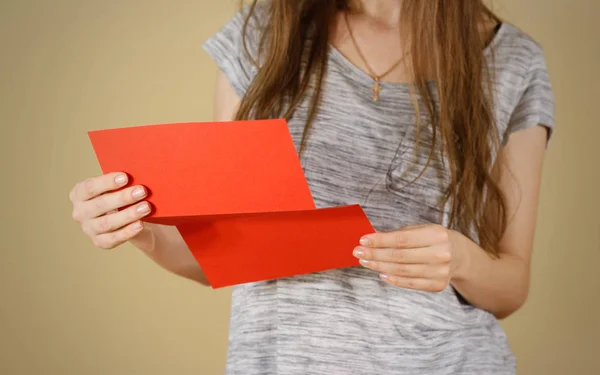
x,y
68,66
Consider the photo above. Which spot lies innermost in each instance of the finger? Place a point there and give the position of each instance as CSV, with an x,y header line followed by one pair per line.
x,y
408,238
113,239
436,254
422,271
92,187
427,285
106,203
112,222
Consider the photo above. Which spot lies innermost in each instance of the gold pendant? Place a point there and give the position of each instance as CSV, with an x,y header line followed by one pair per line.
x,y
376,89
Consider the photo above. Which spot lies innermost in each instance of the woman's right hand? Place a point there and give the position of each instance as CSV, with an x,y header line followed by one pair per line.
x,y
97,207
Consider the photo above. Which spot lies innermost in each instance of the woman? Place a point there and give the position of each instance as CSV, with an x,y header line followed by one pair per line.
x,y
434,116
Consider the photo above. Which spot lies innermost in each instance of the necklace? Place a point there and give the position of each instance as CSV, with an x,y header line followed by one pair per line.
x,y
376,78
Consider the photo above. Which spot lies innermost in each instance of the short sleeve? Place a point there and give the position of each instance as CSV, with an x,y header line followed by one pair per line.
x,y
235,53
536,103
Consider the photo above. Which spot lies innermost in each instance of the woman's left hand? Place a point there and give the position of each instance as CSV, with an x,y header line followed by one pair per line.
x,y
421,257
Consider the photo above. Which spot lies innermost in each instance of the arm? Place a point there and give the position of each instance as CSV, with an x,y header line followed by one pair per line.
x,y
428,257
501,285
163,244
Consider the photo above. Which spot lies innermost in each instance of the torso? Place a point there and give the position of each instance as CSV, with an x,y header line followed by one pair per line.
x,y
347,321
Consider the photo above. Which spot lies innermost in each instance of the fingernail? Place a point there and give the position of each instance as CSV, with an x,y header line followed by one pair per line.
x,y
365,241
138,225
359,253
364,262
121,179
384,276
138,192
143,208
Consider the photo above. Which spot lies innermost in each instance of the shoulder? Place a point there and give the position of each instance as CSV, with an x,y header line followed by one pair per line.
x,y
251,20
525,93
246,26
235,46
517,51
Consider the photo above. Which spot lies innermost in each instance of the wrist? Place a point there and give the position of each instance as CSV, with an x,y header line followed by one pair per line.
x,y
460,256
145,240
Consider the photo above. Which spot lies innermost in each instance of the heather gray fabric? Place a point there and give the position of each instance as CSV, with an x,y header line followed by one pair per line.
x,y
347,321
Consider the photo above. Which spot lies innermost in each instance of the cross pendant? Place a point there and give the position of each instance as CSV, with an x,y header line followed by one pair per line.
x,y
376,89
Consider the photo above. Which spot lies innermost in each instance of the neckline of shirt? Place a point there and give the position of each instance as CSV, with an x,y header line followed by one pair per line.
x,y
362,76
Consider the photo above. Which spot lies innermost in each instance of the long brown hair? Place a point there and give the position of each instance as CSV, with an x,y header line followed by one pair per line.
x,y
445,43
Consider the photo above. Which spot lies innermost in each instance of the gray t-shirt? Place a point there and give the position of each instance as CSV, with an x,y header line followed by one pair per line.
x,y
347,321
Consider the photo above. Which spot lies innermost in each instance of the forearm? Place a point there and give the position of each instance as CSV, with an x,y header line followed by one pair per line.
x,y
498,285
165,246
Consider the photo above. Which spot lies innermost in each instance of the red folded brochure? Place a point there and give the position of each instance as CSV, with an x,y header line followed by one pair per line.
x,y
238,196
